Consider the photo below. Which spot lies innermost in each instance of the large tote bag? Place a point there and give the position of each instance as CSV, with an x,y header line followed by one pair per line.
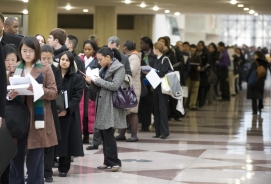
x,y
170,84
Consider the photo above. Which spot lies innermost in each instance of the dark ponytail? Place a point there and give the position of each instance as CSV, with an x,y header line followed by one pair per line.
x,y
130,45
113,53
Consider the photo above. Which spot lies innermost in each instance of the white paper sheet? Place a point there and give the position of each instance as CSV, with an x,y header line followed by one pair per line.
x,y
93,74
153,78
37,89
21,84
21,89
146,68
19,80
65,93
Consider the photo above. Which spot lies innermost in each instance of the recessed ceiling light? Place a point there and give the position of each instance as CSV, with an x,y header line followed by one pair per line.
x,y
143,5
177,13
251,12
246,9
167,11
240,5
25,11
25,1
85,10
127,1
256,14
233,1
155,8
68,7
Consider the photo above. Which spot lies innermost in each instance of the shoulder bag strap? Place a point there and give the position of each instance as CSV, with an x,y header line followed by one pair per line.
x,y
168,61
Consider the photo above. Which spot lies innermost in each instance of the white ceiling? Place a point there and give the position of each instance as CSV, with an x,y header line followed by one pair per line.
x,y
182,6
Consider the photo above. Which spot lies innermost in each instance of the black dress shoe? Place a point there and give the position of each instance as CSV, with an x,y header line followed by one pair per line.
x,y
163,137
155,136
62,174
49,180
92,147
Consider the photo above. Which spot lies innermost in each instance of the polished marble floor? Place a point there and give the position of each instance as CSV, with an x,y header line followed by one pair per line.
x,y
221,143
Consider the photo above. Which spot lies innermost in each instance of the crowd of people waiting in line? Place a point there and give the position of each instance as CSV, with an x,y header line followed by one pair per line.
x,y
213,72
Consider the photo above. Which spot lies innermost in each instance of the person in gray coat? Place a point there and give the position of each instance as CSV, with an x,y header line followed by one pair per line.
x,y
113,42
108,117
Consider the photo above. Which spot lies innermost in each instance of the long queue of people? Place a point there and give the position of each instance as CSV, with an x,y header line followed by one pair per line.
x,y
207,72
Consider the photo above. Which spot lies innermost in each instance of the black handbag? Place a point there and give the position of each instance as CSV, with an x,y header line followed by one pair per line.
x,y
17,119
60,103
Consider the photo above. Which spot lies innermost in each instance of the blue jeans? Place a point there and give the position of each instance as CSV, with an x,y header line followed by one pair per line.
x,y
34,163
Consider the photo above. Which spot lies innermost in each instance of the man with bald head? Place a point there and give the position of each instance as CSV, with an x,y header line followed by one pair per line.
x,y
11,25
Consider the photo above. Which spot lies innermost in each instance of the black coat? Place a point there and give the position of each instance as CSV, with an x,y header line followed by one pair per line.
x,y
205,59
11,39
58,52
3,83
214,56
125,62
71,135
257,92
162,68
195,61
58,79
80,64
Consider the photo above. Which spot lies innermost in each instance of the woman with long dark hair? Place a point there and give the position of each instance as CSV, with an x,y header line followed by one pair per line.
x,y
71,136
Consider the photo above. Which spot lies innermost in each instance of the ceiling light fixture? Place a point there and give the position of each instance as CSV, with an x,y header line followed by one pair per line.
x,y
25,1
143,5
68,7
246,9
85,10
177,13
25,12
127,1
155,8
167,11
240,5
256,14
233,1
251,12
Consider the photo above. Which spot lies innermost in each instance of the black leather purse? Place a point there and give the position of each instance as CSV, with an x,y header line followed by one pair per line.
x,y
17,119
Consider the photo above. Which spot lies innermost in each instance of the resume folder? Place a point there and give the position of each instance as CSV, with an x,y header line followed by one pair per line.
x,y
62,101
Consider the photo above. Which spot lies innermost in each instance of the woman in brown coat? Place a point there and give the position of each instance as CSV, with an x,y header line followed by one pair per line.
x,y
37,138
129,48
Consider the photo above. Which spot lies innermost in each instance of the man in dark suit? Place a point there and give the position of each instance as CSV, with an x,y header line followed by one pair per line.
x,y
6,38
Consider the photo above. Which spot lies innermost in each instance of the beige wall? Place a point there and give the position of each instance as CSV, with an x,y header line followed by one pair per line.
x,y
83,34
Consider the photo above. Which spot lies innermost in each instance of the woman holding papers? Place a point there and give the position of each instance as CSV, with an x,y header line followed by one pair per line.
x,y
129,48
87,104
108,117
71,136
42,132
160,100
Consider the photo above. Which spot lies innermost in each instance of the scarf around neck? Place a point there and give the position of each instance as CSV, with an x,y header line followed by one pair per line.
x,y
39,104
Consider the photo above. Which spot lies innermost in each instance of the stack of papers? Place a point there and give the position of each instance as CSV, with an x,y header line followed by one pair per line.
x,y
146,68
93,74
20,84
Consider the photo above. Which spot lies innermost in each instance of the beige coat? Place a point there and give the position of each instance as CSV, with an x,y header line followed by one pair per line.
x,y
46,137
135,63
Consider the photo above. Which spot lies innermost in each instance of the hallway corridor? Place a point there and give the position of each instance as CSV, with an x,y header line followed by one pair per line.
x,y
220,143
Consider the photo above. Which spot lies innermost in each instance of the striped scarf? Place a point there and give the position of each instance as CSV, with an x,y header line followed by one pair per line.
x,y
39,104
